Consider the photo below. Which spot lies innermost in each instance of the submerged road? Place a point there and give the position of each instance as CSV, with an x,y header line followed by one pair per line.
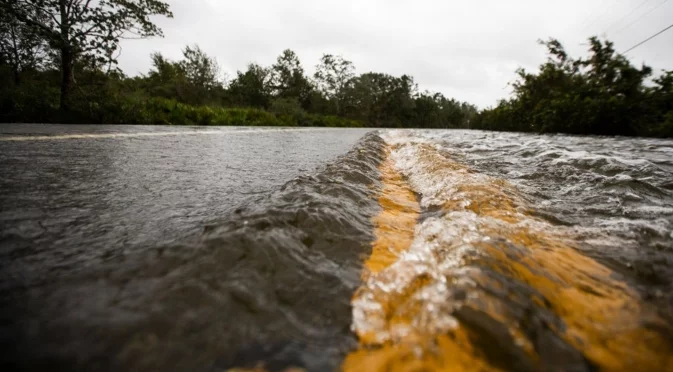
x,y
73,199
173,249
114,188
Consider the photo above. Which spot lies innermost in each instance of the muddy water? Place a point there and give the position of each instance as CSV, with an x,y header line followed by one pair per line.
x,y
507,271
131,247
442,250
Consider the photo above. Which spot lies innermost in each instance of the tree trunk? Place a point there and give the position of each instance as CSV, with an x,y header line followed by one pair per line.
x,y
15,52
17,76
66,59
66,78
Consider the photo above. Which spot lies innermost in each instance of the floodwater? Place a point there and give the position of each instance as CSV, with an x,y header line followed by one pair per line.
x,y
207,249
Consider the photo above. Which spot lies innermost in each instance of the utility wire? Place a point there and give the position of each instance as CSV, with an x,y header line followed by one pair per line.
x,y
628,15
639,18
590,14
591,19
648,39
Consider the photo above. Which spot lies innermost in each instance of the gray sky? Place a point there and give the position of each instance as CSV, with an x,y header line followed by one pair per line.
x,y
468,50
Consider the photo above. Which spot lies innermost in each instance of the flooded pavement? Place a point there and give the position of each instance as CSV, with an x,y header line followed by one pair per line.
x,y
75,211
125,248
526,254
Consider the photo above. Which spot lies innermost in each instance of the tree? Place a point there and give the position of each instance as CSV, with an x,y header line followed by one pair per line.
x,y
333,75
164,70
166,78
433,110
602,94
288,80
194,80
382,99
86,28
660,105
21,47
252,87
200,69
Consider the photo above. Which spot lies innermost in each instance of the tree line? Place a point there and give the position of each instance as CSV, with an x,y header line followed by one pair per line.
x,y
58,63
602,94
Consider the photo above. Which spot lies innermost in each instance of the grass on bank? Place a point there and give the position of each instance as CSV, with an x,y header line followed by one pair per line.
x,y
156,110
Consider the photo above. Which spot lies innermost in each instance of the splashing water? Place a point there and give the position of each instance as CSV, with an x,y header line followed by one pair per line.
x,y
418,249
486,283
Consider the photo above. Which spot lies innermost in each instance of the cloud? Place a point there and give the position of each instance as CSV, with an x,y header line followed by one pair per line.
x,y
468,50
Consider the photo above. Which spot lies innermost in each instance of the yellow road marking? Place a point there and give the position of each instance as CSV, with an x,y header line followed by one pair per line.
x,y
395,224
394,232
602,317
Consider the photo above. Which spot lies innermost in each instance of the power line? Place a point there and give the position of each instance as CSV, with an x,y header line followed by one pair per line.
x,y
639,18
628,15
600,16
648,39
591,19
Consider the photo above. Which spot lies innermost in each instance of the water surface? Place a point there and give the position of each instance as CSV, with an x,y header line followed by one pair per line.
x,y
147,248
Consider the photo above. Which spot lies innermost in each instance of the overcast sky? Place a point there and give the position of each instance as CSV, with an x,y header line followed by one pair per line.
x,y
468,50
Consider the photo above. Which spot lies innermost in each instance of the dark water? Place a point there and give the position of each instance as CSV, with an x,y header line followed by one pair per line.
x,y
101,239
215,250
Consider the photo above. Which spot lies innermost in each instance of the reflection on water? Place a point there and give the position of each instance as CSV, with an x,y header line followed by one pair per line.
x,y
444,250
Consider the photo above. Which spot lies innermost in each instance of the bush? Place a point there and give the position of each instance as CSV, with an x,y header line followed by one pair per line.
x,y
29,103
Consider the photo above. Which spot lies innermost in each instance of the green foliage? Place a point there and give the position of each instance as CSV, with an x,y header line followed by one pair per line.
x,y
199,69
603,94
252,87
332,78
44,44
289,109
381,100
288,79
88,28
109,99
42,39
190,92
21,47
49,42
193,80
30,101
329,121
436,111
85,31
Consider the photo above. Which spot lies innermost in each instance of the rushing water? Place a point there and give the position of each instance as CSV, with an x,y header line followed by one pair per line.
x,y
453,250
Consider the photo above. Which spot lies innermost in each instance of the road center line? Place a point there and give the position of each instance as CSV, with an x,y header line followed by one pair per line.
x,y
432,285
